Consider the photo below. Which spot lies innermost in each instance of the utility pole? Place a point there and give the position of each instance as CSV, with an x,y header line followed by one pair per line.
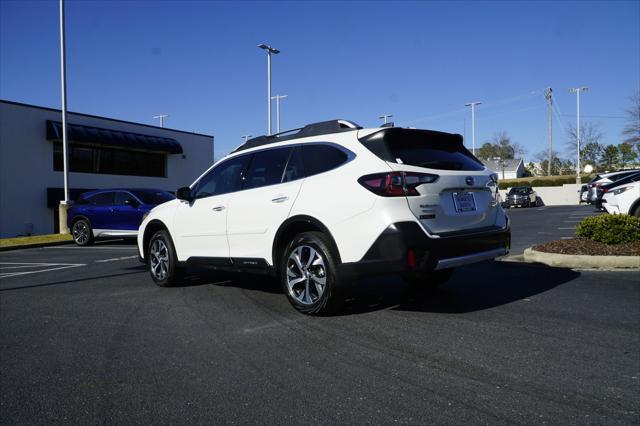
x,y
161,117
385,117
277,99
473,124
245,137
577,91
62,208
269,50
548,95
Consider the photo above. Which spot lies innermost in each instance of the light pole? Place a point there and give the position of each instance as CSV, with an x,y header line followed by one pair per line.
x,y
577,91
385,117
269,50
245,137
548,95
473,124
161,117
62,208
277,98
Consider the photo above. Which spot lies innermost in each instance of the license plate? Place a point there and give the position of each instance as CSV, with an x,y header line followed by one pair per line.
x,y
464,201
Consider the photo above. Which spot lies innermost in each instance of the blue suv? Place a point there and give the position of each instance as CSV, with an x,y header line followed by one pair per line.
x,y
112,213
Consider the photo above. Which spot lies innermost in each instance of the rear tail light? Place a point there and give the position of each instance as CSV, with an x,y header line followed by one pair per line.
x,y
396,184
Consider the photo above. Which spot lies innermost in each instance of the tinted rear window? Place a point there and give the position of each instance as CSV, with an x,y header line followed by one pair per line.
x,y
267,168
321,158
422,148
102,199
153,197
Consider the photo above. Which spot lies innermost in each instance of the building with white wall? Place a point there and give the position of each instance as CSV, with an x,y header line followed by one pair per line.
x,y
506,169
103,153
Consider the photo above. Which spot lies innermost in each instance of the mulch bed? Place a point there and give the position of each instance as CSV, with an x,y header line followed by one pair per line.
x,y
589,247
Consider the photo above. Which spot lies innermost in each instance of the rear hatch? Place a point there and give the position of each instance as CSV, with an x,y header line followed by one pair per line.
x,y
462,198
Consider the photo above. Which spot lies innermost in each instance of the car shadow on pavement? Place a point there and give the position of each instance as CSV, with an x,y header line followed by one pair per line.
x,y
197,276
471,288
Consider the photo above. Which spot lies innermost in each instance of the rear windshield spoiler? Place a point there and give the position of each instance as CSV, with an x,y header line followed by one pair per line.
x,y
380,141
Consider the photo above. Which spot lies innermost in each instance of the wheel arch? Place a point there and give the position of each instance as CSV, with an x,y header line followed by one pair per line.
x,y
295,225
152,227
634,206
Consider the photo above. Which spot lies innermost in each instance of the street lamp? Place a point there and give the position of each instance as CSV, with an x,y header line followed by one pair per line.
x,y
246,137
62,207
161,117
269,50
385,117
277,98
473,124
577,91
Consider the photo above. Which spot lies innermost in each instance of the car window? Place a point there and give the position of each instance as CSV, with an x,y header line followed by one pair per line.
x,y
121,198
318,158
224,178
102,199
153,197
294,166
266,168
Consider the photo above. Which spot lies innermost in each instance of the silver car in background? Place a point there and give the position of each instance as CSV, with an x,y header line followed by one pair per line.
x,y
521,196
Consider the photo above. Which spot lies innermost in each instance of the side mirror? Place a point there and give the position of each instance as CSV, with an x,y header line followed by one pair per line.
x,y
184,193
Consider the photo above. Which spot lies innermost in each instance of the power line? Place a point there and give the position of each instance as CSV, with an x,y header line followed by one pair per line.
x,y
464,110
595,116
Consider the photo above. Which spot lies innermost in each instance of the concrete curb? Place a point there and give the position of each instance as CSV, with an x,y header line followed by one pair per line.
x,y
582,261
36,245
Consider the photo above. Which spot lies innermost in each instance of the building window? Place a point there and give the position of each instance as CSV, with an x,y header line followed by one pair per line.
x,y
110,161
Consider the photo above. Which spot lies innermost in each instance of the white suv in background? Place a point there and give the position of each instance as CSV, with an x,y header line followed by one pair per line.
x,y
327,203
624,199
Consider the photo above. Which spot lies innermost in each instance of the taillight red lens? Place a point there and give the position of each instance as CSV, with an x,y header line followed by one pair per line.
x,y
396,184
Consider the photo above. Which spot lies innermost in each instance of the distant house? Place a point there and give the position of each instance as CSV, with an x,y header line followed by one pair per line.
x,y
506,169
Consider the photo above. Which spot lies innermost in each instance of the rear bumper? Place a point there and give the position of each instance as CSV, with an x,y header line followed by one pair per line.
x,y
390,252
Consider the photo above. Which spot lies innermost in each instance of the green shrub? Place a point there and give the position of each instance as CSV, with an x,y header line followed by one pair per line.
x,y
610,229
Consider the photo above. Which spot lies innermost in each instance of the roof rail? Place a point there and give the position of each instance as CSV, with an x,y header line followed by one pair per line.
x,y
314,129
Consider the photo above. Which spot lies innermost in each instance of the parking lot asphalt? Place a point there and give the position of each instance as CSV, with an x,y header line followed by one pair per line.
x,y
536,225
86,337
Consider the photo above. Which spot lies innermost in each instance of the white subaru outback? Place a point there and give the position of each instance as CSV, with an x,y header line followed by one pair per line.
x,y
324,204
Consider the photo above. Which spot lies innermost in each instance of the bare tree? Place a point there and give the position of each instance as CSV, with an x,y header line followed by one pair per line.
x,y
631,131
500,145
590,134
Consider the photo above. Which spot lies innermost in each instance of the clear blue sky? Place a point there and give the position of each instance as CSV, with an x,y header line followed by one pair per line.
x,y
420,61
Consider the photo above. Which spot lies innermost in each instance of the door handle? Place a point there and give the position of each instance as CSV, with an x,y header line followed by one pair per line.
x,y
280,199
218,208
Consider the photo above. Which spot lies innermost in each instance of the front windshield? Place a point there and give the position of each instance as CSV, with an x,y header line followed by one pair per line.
x,y
519,191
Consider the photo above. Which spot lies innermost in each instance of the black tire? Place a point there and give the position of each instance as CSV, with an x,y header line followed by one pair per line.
x,y
428,280
636,211
305,295
82,233
165,273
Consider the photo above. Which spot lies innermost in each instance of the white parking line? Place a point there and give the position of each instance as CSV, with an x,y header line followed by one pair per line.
x,y
573,227
116,258
55,267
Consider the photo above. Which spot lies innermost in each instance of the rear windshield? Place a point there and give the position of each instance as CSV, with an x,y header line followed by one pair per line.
x,y
422,148
153,197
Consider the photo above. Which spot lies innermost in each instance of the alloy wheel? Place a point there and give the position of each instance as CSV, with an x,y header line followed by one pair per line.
x,y
159,256
306,275
80,232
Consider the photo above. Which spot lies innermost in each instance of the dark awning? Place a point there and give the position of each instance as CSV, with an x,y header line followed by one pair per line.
x,y
98,136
